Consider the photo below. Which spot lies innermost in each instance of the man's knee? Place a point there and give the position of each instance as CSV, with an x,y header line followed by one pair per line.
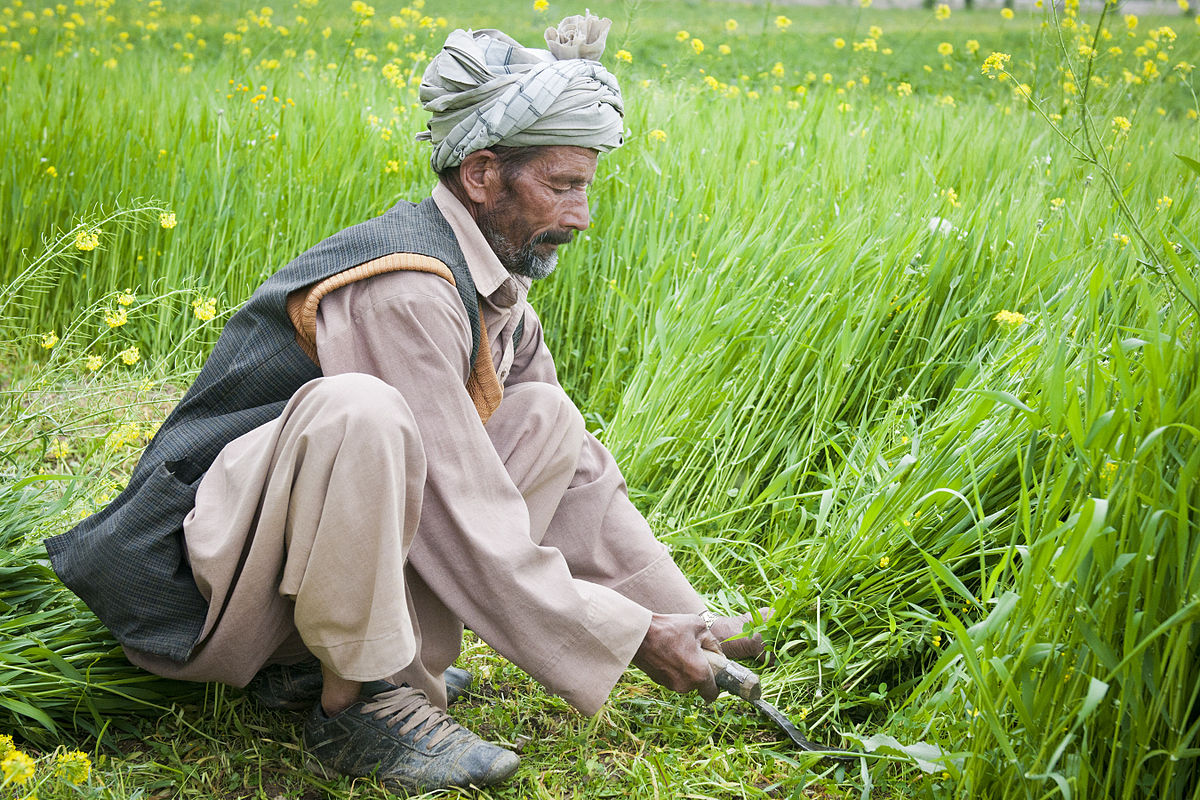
x,y
357,406
543,408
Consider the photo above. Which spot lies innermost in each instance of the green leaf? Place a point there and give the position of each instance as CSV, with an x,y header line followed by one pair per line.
x,y
1191,162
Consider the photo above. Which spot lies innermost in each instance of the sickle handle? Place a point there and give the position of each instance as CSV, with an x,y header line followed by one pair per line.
x,y
733,677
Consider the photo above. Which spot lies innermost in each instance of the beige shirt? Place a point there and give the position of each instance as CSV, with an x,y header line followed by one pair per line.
x,y
574,626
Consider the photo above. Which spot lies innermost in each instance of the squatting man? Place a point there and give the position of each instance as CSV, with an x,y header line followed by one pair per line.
x,y
377,452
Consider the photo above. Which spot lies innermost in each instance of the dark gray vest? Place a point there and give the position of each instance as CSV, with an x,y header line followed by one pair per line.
x,y
128,562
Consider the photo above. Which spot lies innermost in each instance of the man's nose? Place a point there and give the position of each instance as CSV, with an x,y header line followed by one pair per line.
x,y
576,214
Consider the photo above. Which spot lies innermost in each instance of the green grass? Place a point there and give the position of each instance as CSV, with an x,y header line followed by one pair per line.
x,y
979,538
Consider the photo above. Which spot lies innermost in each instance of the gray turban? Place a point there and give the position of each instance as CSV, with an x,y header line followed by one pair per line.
x,y
485,89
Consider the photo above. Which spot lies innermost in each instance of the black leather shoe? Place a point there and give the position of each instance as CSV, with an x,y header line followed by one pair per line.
x,y
406,742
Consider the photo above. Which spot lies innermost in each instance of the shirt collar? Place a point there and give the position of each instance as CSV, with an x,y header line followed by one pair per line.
x,y
486,270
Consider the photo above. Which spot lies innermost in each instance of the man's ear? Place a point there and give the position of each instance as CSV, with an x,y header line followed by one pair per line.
x,y
479,174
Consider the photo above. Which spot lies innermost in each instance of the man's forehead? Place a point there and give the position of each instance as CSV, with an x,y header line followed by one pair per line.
x,y
566,161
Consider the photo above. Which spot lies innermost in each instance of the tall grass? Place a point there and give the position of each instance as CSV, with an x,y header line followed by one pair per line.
x,y
977,530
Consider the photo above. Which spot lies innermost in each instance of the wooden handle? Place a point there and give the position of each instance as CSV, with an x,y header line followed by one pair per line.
x,y
733,677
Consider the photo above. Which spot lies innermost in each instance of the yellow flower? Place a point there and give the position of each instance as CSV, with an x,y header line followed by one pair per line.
x,y
1121,239
204,310
49,340
778,71
682,36
1007,13
130,356
1010,318
839,43
903,89
1131,21
362,9
1121,125
883,562
17,768
658,135
167,219
942,11
51,171
540,5
1163,204
75,767
782,22
1184,5
126,298
1057,203
94,362
937,641
1108,470
724,49
972,46
698,46
945,49
949,193
117,318
87,240
625,55
864,3
731,25
59,449
6,745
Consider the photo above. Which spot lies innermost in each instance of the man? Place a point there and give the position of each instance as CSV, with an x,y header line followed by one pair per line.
x,y
378,452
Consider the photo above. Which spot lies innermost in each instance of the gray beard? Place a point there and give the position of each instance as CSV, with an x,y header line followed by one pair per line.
x,y
523,261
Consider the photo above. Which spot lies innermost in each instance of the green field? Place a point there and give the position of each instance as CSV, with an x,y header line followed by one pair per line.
x,y
896,340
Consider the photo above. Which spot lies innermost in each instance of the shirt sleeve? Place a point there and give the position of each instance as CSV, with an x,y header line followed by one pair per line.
x,y
574,636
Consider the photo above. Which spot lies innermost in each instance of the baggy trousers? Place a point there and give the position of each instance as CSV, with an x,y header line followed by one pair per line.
x,y
307,536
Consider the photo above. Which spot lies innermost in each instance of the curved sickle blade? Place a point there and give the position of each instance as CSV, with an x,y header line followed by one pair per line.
x,y
775,715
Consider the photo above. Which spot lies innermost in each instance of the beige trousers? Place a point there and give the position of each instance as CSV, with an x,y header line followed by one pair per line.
x,y
308,535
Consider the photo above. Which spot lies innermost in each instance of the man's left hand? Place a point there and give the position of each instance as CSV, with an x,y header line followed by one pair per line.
x,y
734,642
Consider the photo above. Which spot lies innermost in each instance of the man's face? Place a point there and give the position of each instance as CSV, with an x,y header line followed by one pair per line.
x,y
537,206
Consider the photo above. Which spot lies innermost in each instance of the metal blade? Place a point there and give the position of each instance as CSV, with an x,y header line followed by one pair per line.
x,y
775,715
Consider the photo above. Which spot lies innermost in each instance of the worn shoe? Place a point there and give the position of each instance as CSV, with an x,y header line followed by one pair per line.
x,y
406,742
295,687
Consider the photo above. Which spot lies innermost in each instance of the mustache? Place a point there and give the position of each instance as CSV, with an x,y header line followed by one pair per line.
x,y
553,237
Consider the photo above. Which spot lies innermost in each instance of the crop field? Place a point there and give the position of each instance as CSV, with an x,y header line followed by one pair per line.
x,y
889,316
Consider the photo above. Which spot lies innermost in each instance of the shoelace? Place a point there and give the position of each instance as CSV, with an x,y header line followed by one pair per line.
x,y
395,705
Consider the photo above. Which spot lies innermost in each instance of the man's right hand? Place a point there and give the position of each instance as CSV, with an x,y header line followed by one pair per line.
x,y
672,654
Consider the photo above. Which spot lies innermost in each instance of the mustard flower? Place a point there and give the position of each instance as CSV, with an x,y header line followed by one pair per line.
x,y
937,641
51,171
782,22
126,298
883,562
625,55
945,49
903,89
778,70
724,49
1184,5
1163,203
167,219
87,240
1057,203
1007,13
49,339
972,46
93,362
1121,239
6,745
682,36
540,5
698,46
1010,318
362,9
864,3
1121,125
204,310
17,768
116,318
731,25
74,767
1108,470
658,135
995,64
875,32
942,11
130,356
1131,21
